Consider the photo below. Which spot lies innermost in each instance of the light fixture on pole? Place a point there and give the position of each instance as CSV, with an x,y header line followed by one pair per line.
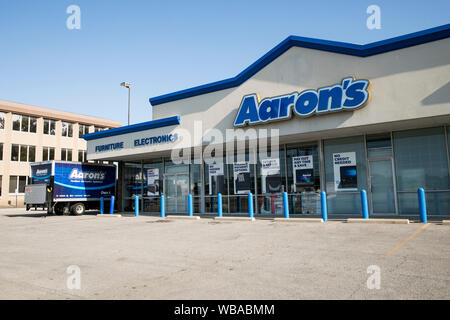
x,y
127,85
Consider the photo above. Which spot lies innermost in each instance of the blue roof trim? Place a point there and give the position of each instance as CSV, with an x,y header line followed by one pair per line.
x,y
366,50
133,128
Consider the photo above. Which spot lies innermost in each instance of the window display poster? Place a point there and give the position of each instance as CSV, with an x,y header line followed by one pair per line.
x,y
303,168
153,182
345,172
216,178
241,177
270,167
270,175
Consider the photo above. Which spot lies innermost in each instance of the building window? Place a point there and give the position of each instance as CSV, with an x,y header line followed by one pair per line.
x,y
82,156
1,151
66,154
346,177
31,153
0,186
16,122
33,124
24,123
97,129
67,129
23,153
15,152
2,120
17,183
421,162
82,129
48,153
49,127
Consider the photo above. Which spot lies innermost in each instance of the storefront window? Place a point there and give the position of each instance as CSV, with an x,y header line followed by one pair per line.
x,y
132,184
303,176
176,186
345,174
196,184
421,162
216,181
153,185
241,175
379,146
448,143
171,167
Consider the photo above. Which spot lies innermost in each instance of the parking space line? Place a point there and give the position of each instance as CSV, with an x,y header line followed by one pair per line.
x,y
401,244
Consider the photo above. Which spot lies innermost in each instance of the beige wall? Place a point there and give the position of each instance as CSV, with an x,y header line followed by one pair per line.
x,y
407,90
39,140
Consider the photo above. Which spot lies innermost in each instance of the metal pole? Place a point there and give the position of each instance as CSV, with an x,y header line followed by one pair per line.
x,y
323,201
285,205
129,89
422,205
111,208
163,209
219,204
364,206
250,205
136,205
190,206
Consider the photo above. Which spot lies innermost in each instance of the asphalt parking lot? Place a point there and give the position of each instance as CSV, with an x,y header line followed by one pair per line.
x,y
150,258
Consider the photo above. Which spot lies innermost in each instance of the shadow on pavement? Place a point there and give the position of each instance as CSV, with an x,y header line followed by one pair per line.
x,y
43,214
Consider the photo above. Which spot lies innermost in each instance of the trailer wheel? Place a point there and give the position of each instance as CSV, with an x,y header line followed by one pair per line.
x,y
78,209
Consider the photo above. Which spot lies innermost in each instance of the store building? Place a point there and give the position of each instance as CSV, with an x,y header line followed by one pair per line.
x,y
349,117
30,134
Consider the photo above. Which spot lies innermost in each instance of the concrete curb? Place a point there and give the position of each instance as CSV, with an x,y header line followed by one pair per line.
x,y
298,219
184,217
109,215
446,222
387,221
234,218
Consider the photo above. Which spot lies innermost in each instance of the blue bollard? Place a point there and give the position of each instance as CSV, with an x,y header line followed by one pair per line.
x,y
285,205
111,207
102,205
163,209
136,206
422,205
364,206
190,206
323,202
250,205
219,204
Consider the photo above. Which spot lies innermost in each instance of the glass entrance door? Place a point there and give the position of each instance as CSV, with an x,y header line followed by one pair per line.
x,y
176,188
382,186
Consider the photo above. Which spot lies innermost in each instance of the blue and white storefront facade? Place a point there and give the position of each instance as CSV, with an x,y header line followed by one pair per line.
x,y
348,117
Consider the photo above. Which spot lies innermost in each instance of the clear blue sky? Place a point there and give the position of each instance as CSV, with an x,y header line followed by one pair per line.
x,y
165,46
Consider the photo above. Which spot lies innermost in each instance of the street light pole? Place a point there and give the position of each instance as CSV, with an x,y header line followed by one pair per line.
x,y
127,85
129,89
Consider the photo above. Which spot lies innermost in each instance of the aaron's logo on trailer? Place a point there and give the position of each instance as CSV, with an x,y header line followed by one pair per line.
x,y
350,94
92,175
